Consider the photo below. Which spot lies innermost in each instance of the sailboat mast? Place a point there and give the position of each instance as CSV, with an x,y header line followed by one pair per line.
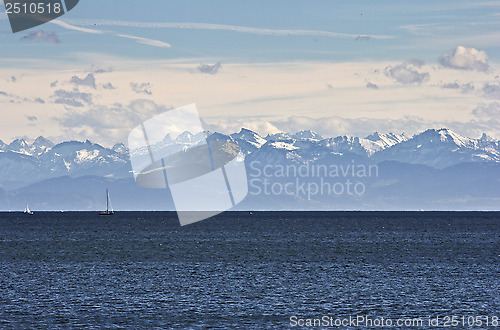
x,y
107,200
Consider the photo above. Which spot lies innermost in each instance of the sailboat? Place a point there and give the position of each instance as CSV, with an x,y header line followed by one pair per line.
x,y
108,203
27,209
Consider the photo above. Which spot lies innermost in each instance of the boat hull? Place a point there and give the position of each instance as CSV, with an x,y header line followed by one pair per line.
x,y
106,213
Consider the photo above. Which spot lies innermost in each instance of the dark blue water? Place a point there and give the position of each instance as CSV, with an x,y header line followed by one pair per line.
x,y
142,270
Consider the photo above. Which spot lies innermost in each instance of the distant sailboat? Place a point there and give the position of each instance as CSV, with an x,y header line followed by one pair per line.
x,y
109,210
27,209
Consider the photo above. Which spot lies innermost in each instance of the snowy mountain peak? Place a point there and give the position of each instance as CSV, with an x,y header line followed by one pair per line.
x,y
120,148
307,134
41,145
484,138
41,141
185,137
445,135
250,137
219,137
279,137
377,141
283,145
19,146
387,139
168,139
19,143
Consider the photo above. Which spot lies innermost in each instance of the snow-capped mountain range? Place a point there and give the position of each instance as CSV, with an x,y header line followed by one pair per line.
x,y
27,162
436,169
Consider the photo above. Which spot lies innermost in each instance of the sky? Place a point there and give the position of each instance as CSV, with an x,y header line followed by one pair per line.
x,y
335,67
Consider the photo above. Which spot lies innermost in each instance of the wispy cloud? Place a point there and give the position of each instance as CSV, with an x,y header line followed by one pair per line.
x,y
421,29
234,28
75,28
363,37
144,41
19,99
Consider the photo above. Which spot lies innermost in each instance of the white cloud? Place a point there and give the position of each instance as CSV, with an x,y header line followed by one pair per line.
x,y
96,70
453,85
491,91
209,68
72,98
260,96
371,85
362,127
141,88
89,80
41,35
19,99
407,72
464,88
487,110
465,58
109,123
234,125
334,126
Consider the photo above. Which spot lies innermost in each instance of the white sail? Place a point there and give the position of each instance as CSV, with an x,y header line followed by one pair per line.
x,y
27,209
109,208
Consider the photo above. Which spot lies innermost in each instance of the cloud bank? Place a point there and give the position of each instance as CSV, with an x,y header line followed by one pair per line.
x,y
112,123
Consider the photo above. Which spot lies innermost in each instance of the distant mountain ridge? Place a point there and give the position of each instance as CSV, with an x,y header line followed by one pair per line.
x,y
435,169
25,162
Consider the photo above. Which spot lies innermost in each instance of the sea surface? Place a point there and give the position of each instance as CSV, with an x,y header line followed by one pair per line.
x,y
240,270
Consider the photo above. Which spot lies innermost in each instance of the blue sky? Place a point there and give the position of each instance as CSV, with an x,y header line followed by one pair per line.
x,y
416,29
289,65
